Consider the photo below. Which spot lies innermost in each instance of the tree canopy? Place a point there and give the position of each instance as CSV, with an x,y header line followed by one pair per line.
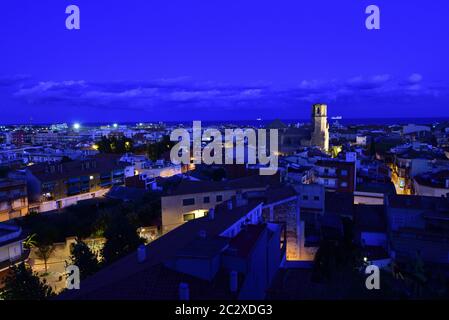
x,y
23,284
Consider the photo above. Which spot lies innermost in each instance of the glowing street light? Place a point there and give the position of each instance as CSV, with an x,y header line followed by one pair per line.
x,y
115,125
76,126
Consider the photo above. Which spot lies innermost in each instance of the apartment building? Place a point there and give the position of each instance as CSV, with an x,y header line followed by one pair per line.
x,y
190,200
57,185
13,199
11,248
335,175
418,226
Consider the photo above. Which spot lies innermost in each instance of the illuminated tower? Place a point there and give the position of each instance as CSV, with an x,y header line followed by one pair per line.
x,y
320,133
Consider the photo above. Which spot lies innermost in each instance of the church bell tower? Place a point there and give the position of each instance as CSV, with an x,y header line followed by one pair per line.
x,y
320,130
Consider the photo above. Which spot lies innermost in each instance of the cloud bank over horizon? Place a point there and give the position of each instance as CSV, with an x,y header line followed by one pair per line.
x,y
183,98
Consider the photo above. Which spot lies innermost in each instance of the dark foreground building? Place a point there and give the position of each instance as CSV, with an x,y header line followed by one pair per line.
x,y
228,254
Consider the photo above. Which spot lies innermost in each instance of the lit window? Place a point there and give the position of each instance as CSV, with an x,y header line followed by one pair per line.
x,y
189,216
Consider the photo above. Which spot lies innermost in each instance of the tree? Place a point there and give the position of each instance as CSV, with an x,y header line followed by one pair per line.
x,y
115,145
44,252
23,284
84,259
30,241
121,238
156,150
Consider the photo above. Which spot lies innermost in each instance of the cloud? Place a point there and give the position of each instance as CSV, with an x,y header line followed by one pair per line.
x,y
370,83
181,94
415,78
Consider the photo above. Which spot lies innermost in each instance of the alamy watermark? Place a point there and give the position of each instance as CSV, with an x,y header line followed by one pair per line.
x,y
72,21
372,22
189,150
73,277
373,280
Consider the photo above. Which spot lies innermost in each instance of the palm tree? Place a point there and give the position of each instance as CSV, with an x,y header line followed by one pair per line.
x,y
30,241
44,251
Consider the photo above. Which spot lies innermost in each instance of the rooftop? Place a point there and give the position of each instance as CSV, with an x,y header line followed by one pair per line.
x,y
191,187
129,279
376,187
417,203
9,233
435,179
93,165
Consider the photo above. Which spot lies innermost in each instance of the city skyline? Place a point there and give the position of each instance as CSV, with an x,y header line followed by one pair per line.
x,y
184,61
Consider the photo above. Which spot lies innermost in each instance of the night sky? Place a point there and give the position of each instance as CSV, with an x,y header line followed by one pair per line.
x,y
147,60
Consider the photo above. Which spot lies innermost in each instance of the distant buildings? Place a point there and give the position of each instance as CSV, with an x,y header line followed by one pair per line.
x,y
291,139
412,160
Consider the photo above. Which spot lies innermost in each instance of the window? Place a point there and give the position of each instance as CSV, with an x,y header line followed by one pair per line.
x,y
326,182
316,198
305,197
189,216
188,202
344,173
344,184
326,170
219,198
206,199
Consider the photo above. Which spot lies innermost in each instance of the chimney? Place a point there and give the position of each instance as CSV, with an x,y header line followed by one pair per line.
x,y
233,281
141,253
183,291
230,204
211,214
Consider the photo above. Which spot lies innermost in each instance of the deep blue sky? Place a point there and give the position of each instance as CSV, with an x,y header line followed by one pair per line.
x,y
143,60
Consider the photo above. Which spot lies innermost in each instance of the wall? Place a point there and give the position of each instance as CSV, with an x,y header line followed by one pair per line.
x,y
173,209
422,190
288,213
11,251
374,239
368,198
68,201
